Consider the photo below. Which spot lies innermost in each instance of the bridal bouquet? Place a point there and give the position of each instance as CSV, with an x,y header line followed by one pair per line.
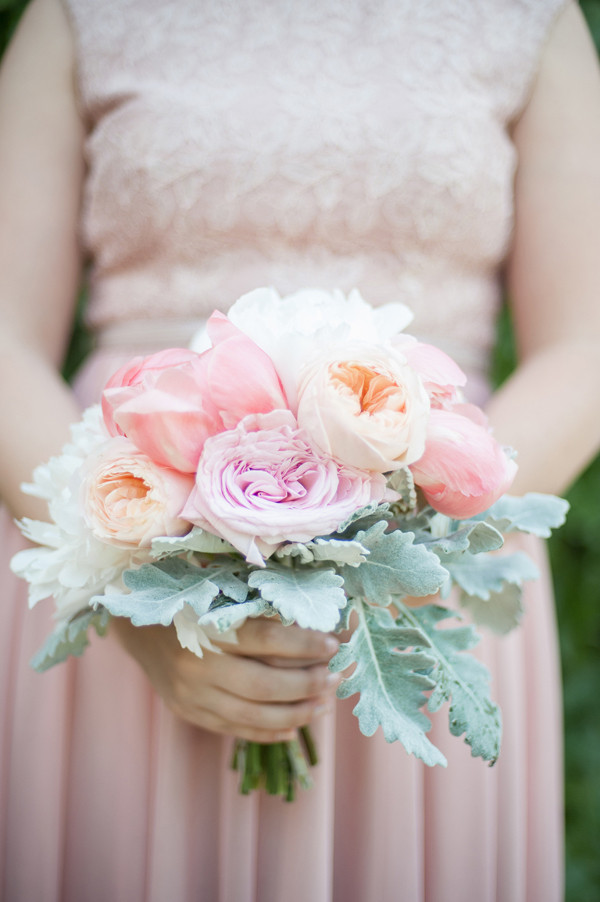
x,y
307,460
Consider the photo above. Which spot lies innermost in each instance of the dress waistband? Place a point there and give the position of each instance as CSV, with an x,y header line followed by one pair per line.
x,y
147,334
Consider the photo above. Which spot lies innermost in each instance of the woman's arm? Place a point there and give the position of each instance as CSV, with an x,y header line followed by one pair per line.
x,y
276,678
549,409
41,171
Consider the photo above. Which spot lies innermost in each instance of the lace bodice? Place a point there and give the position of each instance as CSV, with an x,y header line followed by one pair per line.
x,y
332,143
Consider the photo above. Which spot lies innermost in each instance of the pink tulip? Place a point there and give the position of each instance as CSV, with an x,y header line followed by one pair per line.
x,y
169,403
463,470
239,376
137,373
441,376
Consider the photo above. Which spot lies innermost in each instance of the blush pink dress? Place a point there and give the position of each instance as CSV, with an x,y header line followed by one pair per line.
x,y
234,144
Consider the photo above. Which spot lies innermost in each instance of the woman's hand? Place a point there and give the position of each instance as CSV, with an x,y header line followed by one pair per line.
x,y
261,689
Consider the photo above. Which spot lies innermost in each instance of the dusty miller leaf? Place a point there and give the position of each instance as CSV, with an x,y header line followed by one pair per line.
x,y
501,613
484,537
295,550
311,598
460,679
395,567
225,616
195,540
391,683
70,638
224,574
474,538
483,574
344,621
535,513
402,481
365,517
340,551
159,590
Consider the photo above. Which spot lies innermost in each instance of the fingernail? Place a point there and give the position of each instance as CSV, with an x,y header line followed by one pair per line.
x,y
333,679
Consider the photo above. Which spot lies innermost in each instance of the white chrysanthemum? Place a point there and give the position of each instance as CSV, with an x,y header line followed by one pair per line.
x,y
195,635
292,328
70,564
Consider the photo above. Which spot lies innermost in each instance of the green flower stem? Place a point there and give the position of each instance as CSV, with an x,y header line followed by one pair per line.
x,y
279,768
273,760
309,745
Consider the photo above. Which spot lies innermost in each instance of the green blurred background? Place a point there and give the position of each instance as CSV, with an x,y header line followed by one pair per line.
x,y
576,567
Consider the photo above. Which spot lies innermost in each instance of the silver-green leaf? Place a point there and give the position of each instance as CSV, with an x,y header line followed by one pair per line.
x,y
535,513
482,575
501,612
159,590
224,573
195,540
459,678
311,598
295,550
70,638
391,682
402,482
225,616
395,567
365,517
339,551
474,538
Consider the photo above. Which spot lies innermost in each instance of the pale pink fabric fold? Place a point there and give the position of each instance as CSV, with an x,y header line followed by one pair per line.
x,y
213,170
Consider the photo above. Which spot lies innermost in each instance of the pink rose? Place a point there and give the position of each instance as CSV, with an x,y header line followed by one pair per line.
x,y
128,499
365,406
463,470
264,483
169,403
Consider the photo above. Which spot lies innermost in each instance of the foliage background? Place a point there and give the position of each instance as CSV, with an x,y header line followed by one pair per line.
x,y
576,567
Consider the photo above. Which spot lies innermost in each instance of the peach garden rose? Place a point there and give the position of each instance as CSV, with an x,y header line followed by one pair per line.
x,y
365,406
129,499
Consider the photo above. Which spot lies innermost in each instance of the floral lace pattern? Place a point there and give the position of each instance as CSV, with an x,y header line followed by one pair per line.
x,y
333,143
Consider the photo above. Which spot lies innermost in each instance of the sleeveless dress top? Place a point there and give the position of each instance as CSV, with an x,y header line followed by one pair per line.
x,y
233,144
329,143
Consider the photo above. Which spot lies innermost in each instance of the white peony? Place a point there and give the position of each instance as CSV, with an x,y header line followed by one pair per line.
x,y
291,329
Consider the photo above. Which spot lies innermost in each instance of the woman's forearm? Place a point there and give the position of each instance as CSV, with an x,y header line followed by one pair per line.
x,y
36,408
548,412
41,176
